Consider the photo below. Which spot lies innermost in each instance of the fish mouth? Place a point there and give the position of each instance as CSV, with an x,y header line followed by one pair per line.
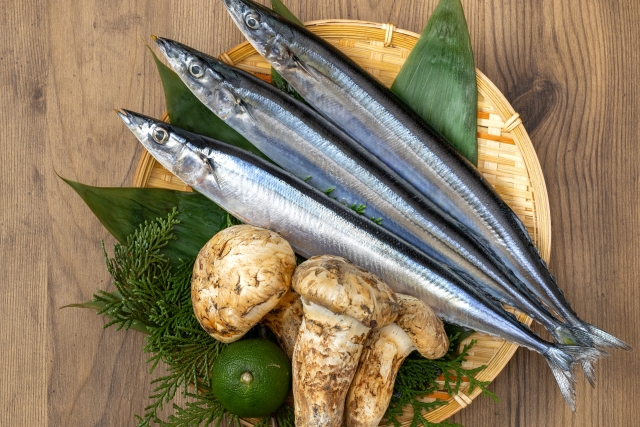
x,y
132,120
163,44
124,116
171,49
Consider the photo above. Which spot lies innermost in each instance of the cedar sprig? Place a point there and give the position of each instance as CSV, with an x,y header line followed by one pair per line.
x,y
137,268
185,348
202,409
150,293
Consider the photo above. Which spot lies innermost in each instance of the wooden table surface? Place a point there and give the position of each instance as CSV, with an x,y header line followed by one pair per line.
x,y
570,68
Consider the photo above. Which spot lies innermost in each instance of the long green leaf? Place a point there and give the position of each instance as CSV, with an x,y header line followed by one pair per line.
x,y
187,112
122,210
276,79
283,11
438,80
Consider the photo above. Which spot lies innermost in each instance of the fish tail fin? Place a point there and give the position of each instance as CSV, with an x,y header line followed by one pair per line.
x,y
606,338
563,336
589,372
560,364
587,356
592,336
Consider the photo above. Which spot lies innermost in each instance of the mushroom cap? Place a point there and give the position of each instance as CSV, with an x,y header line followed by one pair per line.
x,y
344,288
238,277
423,326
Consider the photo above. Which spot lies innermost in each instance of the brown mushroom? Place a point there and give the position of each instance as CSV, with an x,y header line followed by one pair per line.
x,y
416,328
341,303
238,277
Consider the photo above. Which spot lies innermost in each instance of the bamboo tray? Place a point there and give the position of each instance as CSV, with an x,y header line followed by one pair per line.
x,y
506,159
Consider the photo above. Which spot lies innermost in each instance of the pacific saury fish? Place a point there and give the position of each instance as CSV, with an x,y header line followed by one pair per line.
x,y
374,116
305,144
263,195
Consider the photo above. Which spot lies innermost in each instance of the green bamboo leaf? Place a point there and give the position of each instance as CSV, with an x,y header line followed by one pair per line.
x,y
283,11
122,210
438,80
187,112
276,79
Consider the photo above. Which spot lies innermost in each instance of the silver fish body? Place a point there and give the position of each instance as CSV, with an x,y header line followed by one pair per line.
x,y
265,196
305,144
374,116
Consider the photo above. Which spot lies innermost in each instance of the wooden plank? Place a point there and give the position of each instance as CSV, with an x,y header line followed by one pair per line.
x,y
24,227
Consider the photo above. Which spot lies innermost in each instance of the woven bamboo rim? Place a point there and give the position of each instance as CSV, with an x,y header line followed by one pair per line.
x,y
506,158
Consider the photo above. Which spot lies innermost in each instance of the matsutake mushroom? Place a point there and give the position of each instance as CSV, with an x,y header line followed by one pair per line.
x,y
416,328
238,277
341,303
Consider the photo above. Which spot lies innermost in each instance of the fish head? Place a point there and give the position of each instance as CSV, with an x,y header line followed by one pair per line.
x,y
265,30
192,164
208,78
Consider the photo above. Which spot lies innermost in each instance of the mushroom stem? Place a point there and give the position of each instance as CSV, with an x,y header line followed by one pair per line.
x,y
324,362
285,320
416,328
372,385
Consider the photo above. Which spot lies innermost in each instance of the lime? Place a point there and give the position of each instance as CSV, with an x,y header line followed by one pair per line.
x,y
251,378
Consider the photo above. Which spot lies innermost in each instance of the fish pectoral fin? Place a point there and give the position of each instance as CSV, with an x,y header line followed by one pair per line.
x,y
246,109
214,174
212,168
215,178
305,69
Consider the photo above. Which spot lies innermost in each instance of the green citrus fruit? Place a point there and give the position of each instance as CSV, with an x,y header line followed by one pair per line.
x,y
251,378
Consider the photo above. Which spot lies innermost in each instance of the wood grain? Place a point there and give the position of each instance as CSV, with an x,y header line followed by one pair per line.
x,y
569,68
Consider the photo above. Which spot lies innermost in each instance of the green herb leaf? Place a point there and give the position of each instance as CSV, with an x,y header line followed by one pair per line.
x,y
438,80
283,417
122,210
276,79
283,11
187,112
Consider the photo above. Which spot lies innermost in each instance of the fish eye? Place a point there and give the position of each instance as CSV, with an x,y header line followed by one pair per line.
x,y
160,135
196,70
275,50
252,20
